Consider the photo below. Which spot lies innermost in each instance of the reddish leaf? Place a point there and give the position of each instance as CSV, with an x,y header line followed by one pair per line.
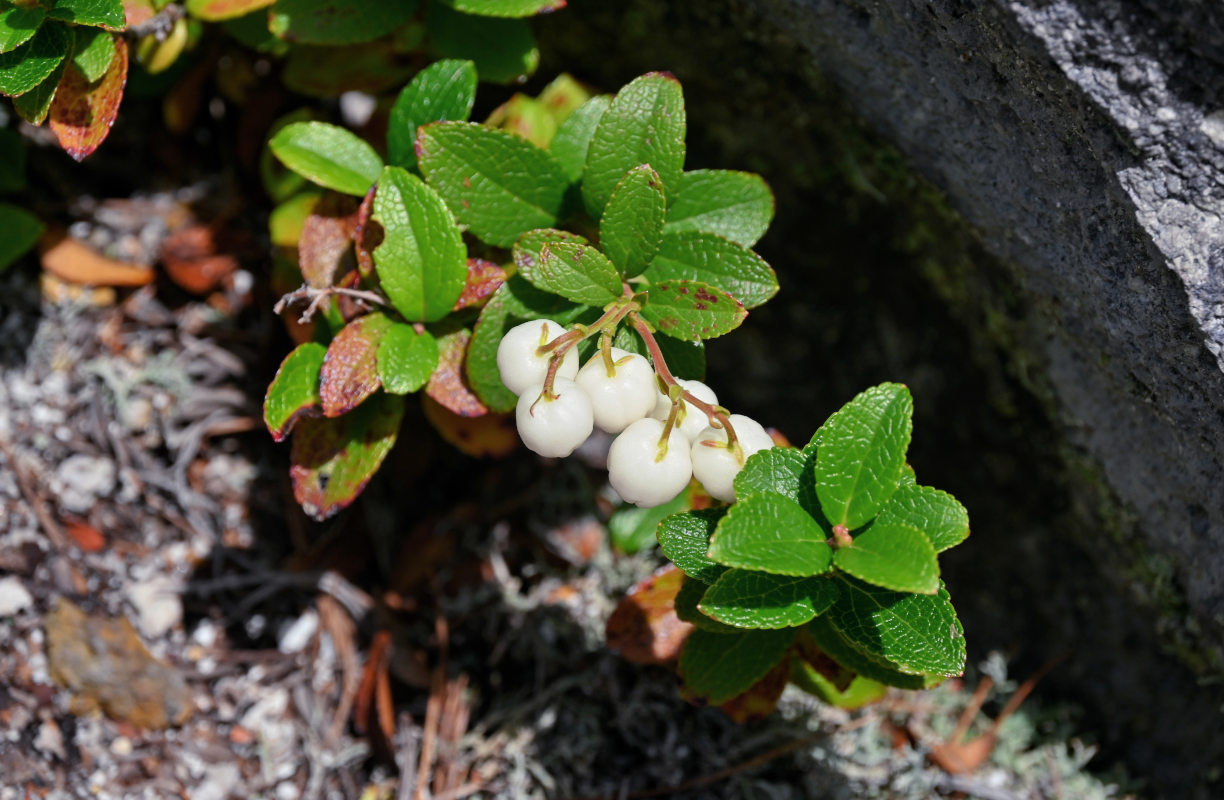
x,y
71,261
198,258
216,10
82,113
759,701
136,12
86,536
350,369
448,385
483,279
489,436
367,234
644,627
327,235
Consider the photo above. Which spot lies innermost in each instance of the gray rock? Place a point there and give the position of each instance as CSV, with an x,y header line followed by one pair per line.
x,y
83,479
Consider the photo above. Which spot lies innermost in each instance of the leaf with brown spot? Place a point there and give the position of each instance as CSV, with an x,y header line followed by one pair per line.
x,y
350,369
448,385
82,113
490,436
761,700
483,279
327,236
644,627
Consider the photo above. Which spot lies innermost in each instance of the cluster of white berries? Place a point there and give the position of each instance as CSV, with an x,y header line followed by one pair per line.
x,y
619,393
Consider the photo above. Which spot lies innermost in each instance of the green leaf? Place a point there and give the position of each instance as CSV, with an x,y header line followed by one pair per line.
x,y
102,13
573,137
685,539
497,183
18,24
24,67
12,161
21,232
644,125
862,454
503,50
735,205
577,272
506,8
684,359
943,520
328,155
93,52
337,21
692,310
915,633
776,469
350,373
632,529
35,105
527,248
332,460
294,390
836,647
861,691
406,358
718,667
443,91
422,261
690,594
747,599
632,222
892,555
689,255
771,533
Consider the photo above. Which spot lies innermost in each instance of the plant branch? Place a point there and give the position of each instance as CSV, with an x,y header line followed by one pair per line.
x,y
315,297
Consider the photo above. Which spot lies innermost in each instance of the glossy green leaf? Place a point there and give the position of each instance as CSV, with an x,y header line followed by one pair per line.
x,y
827,637
24,67
632,222
771,533
776,469
93,52
720,262
892,555
442,92
503,50
35,105
735,205
18,24
406,358
915,633
294,390
687,599
12,160
718,667
632,529
573,137
644,125
747,599
685,539
506,8
577,272
349,373
328,155
862,454
527,248
101,13
684,359
422,261
939,515
498,184
334,22
692,310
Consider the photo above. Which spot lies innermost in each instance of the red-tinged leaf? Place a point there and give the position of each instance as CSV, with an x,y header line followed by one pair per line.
x,y
294,391
82,113
759,701
332,460
491,436
644,627
86,536
217,10
327,236
367,234
448,385
483,279
199,257
138,12
350,369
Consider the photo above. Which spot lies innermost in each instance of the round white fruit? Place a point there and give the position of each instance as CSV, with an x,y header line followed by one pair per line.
x,y
692,421
519,359
642,472
715,465
554,426
621,396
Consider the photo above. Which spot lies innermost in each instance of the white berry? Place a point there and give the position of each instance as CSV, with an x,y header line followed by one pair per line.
x,y
554,426
518,358
690,421
638,473
622,397
715,465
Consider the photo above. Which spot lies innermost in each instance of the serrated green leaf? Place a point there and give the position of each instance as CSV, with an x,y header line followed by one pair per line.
x,y
93,52
690,255
776,469
442,92
294,390
840,650
915,633
892,555
632,529
18,24
748,599
577,272
692,310
684,359
718,667
497,183
573,137
771,533
644,124
862,454
12,160
685,539
506,8
503,50
35,105
102,13
690,594
21,232
333,22
632,222
328,155
422,261
735,205
26,66
939,515
406,358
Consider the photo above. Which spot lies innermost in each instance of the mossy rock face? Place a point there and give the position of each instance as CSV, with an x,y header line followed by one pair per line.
x,y
1010,208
